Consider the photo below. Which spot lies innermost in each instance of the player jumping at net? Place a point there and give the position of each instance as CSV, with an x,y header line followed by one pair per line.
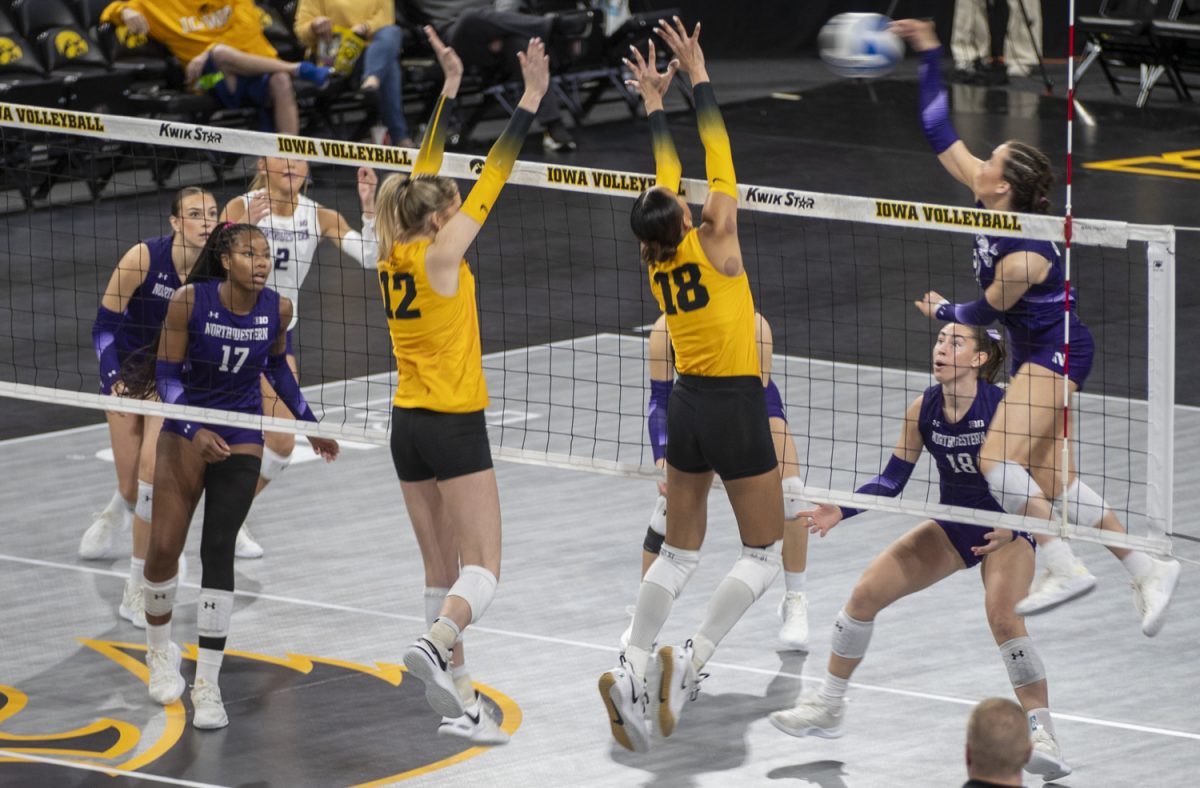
x,y
950,420
126,330
1023,282
717,420
793,608
294,225
223,330
439,436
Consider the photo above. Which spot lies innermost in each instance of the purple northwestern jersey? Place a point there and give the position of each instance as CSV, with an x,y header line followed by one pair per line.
x,y
147,308
227,353
955,447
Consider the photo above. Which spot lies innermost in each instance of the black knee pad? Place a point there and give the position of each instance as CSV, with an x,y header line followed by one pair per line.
x,y
228,492
654,541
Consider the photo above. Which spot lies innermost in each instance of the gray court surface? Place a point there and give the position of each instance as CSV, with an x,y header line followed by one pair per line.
x,y
341,587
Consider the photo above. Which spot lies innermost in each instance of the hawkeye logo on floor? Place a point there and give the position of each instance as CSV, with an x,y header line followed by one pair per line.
x,y
274,696
1174,164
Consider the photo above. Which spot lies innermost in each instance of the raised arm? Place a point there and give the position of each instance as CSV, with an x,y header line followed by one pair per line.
x,y
935,103
433,144
452,241
653,85
888,484
128,275
279,375
363,247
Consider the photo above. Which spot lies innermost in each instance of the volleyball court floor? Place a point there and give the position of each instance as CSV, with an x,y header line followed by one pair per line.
x,y
320,623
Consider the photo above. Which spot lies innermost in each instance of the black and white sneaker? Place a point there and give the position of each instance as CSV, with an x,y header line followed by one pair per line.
x,y
475,725
425,661
624,697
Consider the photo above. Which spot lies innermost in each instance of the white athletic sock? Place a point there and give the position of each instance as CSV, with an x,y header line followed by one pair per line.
x,y
833,690
1137,563
729,602
158,636
118,503
443,634
137,570
208,664
794,581
1040,718
702,651
637,659
650,613
462,682
1058,556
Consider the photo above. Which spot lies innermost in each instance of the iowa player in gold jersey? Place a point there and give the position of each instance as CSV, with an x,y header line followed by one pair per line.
x,y
717,420
439,437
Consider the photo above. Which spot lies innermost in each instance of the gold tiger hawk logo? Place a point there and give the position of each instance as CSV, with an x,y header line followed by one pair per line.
x,y
70,44
131,40
1174,164
9,51
276,694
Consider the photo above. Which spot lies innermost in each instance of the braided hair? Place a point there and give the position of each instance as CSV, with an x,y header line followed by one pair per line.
x,y
1027,171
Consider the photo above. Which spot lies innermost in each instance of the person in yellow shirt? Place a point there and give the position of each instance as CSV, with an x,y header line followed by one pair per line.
x,y
439,437
717,421
374,21
223,50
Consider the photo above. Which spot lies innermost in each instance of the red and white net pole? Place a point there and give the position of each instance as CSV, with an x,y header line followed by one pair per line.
x,y
1066,443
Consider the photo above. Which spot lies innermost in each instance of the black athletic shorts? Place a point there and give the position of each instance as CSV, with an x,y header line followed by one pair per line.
x,y
427,444
719,424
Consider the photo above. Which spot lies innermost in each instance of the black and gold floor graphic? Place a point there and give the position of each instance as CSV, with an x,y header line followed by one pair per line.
x,y
294,720
1173,164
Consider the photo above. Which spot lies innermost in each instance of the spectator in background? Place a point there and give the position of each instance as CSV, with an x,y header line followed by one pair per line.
x,y
223,50
971,41
374,21
998,744
487,35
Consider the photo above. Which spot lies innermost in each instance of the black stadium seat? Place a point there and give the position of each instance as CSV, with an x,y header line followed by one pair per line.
x,y
1179,40
1119,37
68,51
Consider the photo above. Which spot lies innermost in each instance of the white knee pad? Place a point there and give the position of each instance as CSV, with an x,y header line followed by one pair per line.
x,y
757,568
273,464
476,586
658,518
851,636
160,597
145,500
1085,507
1011,486
672,569
213,612
434,599
1023,663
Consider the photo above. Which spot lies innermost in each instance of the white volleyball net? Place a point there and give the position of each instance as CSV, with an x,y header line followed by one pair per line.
x,y
564,308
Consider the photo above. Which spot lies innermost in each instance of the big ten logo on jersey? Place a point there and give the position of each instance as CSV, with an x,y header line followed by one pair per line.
x,y
399,292
70,44
681,289
262,320
9,51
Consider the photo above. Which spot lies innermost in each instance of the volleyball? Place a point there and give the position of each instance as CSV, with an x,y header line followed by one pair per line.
x,y
860,45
